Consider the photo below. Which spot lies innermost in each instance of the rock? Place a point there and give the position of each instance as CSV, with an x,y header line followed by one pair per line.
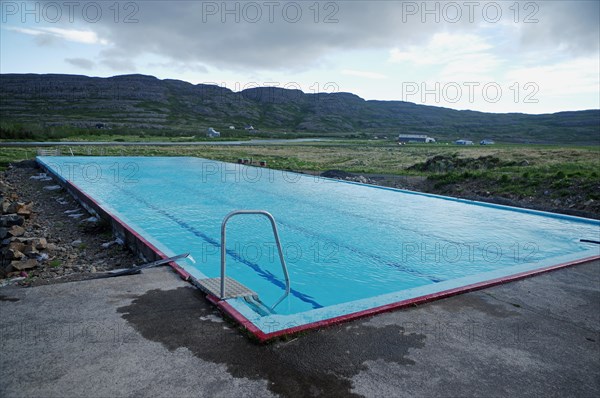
x,y
107,245
52,187
16,230
41,244
339,174
524,163
11,208
41,177
4,187
24,209
16,245
13,254
3,233
23,265
30,251
5,205
589,202
76,243
8,220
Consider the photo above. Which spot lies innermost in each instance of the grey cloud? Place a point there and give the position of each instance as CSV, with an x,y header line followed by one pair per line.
x,y
81,63
572,26
119,64
183,32
45,40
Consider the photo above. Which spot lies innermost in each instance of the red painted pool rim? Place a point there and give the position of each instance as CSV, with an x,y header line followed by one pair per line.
x,y
262,336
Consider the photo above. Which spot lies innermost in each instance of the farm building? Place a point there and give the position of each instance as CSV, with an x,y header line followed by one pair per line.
x,y
212,133
486,142
463,142
414,138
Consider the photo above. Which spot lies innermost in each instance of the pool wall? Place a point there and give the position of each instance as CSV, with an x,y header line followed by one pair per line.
x,y
142,246
137,243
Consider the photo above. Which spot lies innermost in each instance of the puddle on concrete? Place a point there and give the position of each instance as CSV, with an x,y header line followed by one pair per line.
x,y
6,298
314,364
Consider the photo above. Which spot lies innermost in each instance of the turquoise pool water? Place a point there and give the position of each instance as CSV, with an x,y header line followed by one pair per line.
x,y
349,247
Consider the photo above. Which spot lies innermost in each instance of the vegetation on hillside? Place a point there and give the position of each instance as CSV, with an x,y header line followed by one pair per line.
x,y
65,106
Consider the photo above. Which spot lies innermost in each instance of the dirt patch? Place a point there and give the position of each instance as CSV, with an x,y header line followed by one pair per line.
x,y
76,247
445,163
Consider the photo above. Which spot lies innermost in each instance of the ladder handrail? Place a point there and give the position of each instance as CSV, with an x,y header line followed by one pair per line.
x,y
277,241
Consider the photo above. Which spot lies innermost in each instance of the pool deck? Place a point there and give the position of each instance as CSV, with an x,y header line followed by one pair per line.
x,y
153,334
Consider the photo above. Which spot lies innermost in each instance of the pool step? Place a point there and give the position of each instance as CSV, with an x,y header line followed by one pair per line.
x,y
232,288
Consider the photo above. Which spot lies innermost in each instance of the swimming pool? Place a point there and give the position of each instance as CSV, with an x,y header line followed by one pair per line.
x,y
351,249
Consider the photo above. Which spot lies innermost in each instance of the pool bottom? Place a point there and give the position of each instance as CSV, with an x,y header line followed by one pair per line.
x,y
139,244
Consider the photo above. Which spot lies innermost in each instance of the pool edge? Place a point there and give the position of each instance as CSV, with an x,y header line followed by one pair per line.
x,y
133,240
140,245
264,337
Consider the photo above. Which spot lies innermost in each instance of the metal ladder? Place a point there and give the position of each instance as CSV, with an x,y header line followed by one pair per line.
x,y
228,287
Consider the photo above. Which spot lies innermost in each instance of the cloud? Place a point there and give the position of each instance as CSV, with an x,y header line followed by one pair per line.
x,y
81,63
119,64
365,74
442,48
49,34
180,67
574,76
299,35
184,31
255,37
571,26
461,57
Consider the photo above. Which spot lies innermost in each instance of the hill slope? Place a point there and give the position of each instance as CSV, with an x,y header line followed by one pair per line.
x,y
139,103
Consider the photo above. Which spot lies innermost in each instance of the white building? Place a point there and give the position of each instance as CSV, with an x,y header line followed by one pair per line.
x,y
463,142
408,138
212,133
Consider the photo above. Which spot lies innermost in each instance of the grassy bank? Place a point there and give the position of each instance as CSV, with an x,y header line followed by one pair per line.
x,y
560,177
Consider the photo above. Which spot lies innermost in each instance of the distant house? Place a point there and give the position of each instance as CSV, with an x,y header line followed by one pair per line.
x,y
486,142
212,133
463,142
413,138
249,127
231,127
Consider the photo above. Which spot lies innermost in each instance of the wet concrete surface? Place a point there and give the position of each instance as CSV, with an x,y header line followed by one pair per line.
x,y
153,334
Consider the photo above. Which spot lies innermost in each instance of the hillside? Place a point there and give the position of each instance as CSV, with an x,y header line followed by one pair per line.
x,y
47,106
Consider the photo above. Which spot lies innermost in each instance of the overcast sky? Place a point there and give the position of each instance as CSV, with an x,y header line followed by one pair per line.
x,y
503,56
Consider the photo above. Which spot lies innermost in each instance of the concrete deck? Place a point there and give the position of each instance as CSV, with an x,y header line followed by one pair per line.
x,y
154,335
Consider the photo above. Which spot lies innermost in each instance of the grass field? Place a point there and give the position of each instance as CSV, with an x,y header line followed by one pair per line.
x,y
562,177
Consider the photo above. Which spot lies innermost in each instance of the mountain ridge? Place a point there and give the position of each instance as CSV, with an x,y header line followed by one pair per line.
x,y
144,103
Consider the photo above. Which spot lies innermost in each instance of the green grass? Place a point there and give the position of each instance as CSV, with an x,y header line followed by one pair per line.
x,y
55,263
524,170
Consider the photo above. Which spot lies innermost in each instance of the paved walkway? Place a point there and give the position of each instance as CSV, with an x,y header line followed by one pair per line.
x,y
154,335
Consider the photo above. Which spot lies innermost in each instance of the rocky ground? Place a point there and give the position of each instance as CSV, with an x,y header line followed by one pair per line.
x,y
47,237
